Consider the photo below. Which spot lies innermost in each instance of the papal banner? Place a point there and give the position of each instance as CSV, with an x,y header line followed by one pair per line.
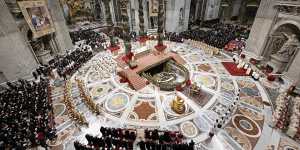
x,y
37,17
153,7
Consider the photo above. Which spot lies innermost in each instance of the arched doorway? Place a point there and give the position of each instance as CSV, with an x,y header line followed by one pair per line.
x,y
283,45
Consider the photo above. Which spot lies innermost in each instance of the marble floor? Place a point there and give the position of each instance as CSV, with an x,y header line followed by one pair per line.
x,y
247,128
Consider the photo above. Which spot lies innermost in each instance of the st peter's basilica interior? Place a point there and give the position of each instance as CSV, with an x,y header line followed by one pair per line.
x,y
150,74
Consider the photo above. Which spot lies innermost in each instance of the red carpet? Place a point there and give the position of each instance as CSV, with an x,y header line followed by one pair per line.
x,y
114,48
231,67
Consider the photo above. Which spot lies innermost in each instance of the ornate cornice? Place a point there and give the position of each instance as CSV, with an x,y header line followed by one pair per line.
x,y
288,2
291,7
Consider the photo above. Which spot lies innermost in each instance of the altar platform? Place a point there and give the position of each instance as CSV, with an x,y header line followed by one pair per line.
x,y
144,63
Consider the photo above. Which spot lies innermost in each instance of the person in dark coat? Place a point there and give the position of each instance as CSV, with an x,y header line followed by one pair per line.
x,y
103,131
148,145
191,145
155,135
147,134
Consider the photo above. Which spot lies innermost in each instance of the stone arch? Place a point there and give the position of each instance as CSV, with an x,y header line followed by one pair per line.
x,y
285,22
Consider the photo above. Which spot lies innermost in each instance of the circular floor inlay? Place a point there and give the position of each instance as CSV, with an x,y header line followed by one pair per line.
x,y
246,125
205,80
117,102
100,90
239,138
251,114
59,109
188,129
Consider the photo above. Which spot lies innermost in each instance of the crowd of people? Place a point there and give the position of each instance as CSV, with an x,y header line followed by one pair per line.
x,y
163,140
282,111
64,65
123,139
26,115
218,34
242,64
26,108
41,71
92,38
294,125
104,65
175,37
68,64
112,138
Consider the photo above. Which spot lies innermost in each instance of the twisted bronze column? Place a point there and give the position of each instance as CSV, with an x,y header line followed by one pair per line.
x,y
141,17
160,24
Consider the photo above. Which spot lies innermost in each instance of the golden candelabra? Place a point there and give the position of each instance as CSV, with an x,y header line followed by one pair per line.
x,y
177,105
73,113
87,99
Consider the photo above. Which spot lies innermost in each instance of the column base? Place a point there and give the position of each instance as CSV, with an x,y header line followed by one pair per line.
x,y
160,47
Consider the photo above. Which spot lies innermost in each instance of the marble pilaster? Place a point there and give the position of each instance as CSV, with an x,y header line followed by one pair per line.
x,y
62,36
112,12
17,60
172,16
263,22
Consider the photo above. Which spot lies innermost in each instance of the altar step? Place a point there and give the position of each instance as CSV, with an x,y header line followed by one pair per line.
x,y
152,32
134,79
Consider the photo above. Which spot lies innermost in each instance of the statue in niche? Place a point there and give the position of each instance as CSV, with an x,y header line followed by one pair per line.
x,y
282,59
289,48
277,44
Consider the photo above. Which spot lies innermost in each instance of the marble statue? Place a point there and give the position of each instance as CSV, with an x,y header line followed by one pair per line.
x,y
282,58
289,47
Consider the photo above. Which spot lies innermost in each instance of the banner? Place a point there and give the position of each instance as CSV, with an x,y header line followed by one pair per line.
x,y
123,7
153,8
37,17
212,9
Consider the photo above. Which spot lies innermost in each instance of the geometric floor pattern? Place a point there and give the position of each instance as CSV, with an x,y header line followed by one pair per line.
x,y
149,107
